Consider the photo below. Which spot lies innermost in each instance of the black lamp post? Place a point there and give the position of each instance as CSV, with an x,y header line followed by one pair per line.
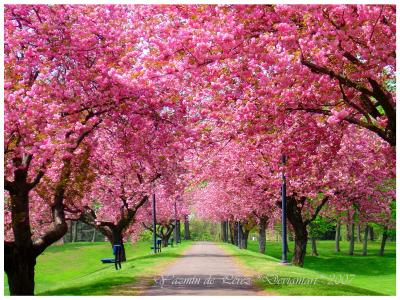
x,y
176,224
239,236
154,224
284,245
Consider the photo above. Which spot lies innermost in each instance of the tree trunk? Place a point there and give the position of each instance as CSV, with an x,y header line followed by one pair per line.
x,y
244,236
179,231
359,232
223,231
186,234
371,233
20,255
365,241
383,242
116,239
19,265
74,231
287,244
164,241
300,246
337,237
235,233
94,234
314,247
226,228
262,234
300,231
239,230
348,232
69,224
351,244
176,234
232,232
165,236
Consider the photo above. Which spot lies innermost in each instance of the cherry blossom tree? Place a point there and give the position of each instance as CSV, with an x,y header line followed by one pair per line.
x,y
103,101
59,88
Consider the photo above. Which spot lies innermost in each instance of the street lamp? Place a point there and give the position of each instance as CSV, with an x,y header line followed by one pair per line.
x,y
177,231
154,224
176,224
239,236
284,245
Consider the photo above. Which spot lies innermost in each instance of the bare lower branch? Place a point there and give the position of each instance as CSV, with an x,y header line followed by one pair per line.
x,y
9,186
317,210
36,181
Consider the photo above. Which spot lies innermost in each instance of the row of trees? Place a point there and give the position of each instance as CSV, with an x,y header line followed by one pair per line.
x,y
302,85
249,190
107,105
321,229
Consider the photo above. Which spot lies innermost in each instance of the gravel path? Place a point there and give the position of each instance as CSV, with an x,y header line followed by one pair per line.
x,y
204,269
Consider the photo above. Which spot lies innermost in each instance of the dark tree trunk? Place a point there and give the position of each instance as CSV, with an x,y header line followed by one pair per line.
x,y
287,244
20,255
359,232
235,233
300,245
244,236
314,251
299,225
186,234
365,240
112,231
300,231
223,235
351,244
348,232
371,233
383,242
227,231
232,232
179,231
165,236
262,234
175,232
19,265
337,237
117,239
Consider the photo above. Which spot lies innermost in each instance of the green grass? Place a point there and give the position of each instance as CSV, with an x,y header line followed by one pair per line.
x,y
75,269
369,275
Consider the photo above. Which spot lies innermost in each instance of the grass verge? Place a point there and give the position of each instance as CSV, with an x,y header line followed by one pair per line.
x,y
75,269
328,274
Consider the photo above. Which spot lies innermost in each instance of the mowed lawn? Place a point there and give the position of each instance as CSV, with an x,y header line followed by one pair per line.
x,y
75,269
336,274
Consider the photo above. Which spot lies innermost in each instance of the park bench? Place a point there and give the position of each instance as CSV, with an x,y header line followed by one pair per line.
x,y
158,246
117,251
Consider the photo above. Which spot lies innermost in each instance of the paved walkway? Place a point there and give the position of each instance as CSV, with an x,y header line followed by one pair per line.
x,y
204,269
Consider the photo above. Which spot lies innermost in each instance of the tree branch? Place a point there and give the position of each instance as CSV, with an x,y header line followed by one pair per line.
x,y
9,186
317,210
36,181
349,119
342,79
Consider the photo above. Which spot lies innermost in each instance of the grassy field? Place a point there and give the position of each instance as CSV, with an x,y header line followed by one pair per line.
x,y
75,269
335,274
